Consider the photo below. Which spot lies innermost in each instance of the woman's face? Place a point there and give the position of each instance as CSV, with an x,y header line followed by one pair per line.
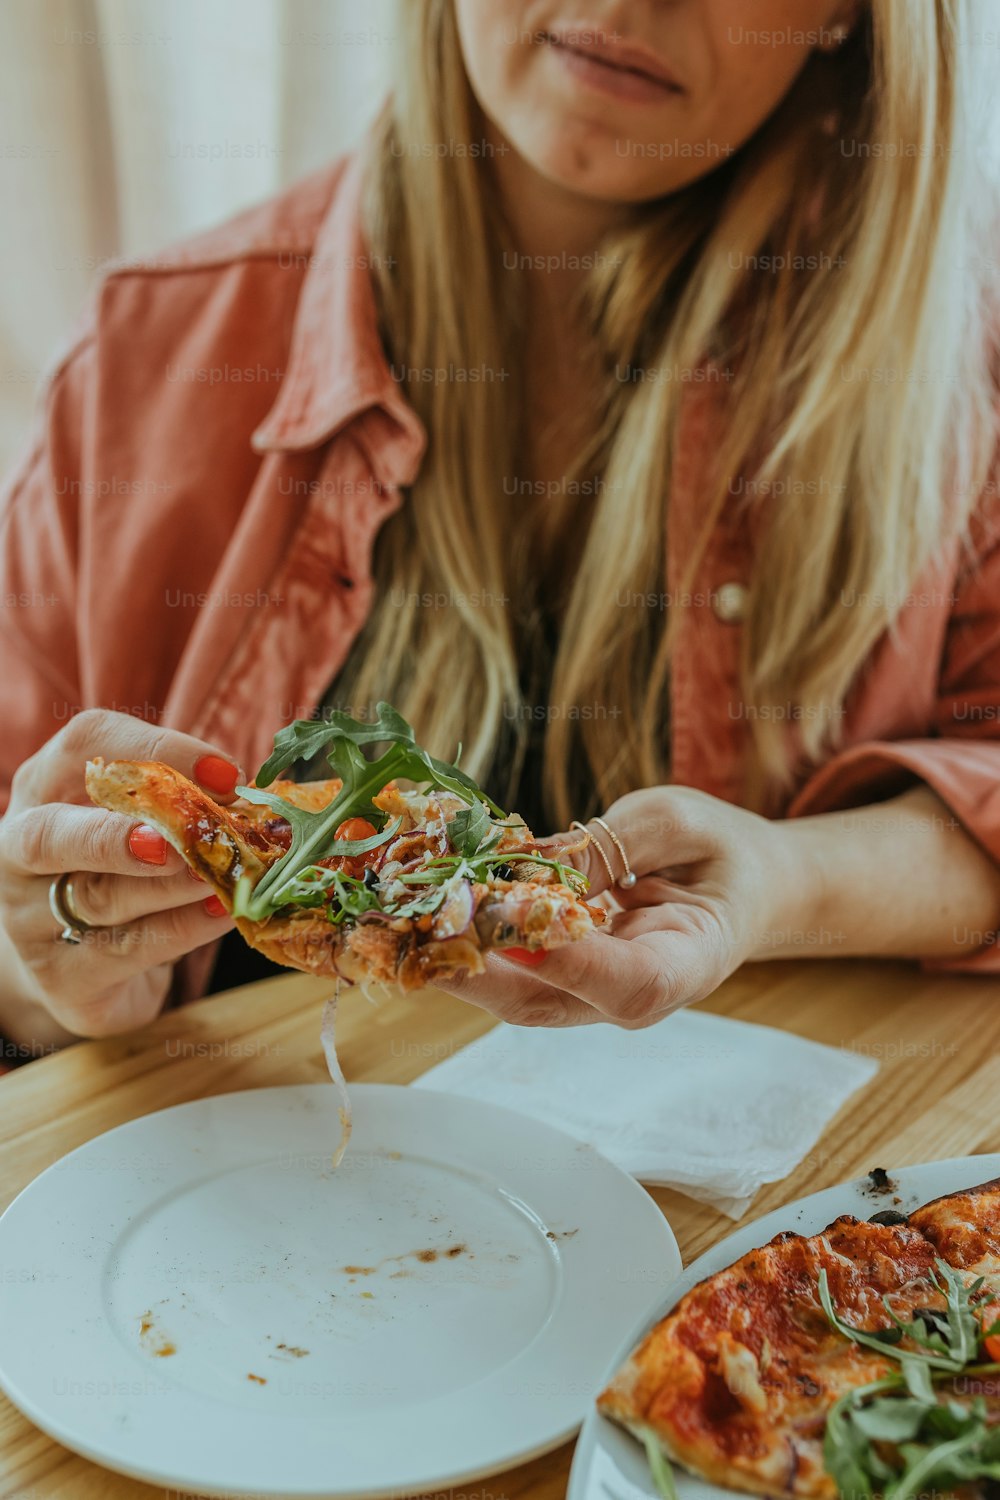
x,y
626,100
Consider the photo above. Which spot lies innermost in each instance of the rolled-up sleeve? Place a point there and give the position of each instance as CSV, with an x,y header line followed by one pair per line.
x,y
960,758
39,552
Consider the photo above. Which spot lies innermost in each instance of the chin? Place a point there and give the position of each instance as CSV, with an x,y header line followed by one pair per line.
x,y
601,169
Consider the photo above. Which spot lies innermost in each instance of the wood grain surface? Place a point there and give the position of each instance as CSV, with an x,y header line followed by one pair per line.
x,y
937,1039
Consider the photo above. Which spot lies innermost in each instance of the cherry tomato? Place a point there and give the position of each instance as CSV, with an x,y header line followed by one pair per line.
x,y
353,864
355,829
991,1315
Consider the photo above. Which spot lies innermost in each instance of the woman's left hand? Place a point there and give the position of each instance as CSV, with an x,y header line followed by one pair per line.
x,y
714,883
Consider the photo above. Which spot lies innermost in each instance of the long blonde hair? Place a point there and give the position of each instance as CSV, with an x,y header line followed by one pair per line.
x,y
870,380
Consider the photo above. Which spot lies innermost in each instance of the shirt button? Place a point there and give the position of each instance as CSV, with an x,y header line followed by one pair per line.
x,y
730,603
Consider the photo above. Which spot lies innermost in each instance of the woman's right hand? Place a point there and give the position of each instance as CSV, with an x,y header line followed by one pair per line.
x,y
145,907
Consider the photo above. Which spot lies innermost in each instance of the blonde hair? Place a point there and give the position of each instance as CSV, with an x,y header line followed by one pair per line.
x,y
864,165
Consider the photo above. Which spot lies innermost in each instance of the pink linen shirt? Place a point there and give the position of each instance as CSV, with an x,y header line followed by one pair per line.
x,y
190,537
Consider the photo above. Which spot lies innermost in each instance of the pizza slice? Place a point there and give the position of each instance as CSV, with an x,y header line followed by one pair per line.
x,y
355,876
965,1229
737,1382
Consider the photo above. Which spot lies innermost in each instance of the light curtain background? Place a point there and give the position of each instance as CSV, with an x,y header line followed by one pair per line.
x,y
126,124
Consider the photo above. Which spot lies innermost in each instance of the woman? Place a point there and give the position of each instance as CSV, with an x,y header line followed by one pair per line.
x,y
625,409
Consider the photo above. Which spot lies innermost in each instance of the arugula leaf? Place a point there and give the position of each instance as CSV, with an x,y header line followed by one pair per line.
x,y
439,871
936,1445
474,836
663,1474
939,1467
311,888
846,1452
301,819
921,1329
468,828
963,1324
896,1420
353,897
341,733
311,840
955,1331
362,780
917,1376
873,1341
420,906
305,738
476,867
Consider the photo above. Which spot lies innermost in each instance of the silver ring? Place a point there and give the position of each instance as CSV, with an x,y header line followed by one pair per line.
x,y
61,906
628,877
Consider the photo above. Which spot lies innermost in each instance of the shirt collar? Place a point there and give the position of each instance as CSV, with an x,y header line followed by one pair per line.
x,y
337,371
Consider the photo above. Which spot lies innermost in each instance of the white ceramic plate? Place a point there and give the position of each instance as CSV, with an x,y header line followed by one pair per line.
x,y
609,1464
198,1300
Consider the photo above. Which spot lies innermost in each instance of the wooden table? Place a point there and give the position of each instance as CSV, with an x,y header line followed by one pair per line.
x,y
938,1040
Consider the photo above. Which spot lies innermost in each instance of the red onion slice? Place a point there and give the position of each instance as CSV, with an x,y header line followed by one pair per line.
x,y
328,1038
454,916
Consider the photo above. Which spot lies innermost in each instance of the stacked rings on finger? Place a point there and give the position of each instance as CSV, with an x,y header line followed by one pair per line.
x,y
61,906
607,863
628,877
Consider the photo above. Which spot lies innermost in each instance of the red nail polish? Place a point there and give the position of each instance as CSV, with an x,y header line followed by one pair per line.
x,y
214,907
530,957
148,845
194,874
216,774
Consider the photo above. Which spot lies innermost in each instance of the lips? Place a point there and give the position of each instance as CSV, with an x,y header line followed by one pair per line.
x,y
599,50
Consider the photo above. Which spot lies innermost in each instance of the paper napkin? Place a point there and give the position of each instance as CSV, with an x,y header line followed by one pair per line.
x,y
713,1107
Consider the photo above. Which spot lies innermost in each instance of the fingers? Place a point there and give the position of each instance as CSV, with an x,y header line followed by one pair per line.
x,y
603,978
125,1008
662,949
634,975
61,837
128,969
114,900
519,997
120,972
56,772
623,981
658,828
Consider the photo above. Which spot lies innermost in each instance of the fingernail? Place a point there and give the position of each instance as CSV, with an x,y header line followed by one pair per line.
x,y
194,874
216,774
148,845
531,958
214,907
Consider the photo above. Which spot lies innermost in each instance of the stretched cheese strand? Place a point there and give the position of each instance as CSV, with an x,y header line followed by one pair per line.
x,y
328,1038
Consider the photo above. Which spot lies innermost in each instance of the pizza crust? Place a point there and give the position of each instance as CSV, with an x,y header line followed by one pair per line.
x,y
965,1229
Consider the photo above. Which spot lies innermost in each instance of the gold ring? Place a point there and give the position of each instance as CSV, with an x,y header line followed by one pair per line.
x,y
607,864
629,877
61,906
